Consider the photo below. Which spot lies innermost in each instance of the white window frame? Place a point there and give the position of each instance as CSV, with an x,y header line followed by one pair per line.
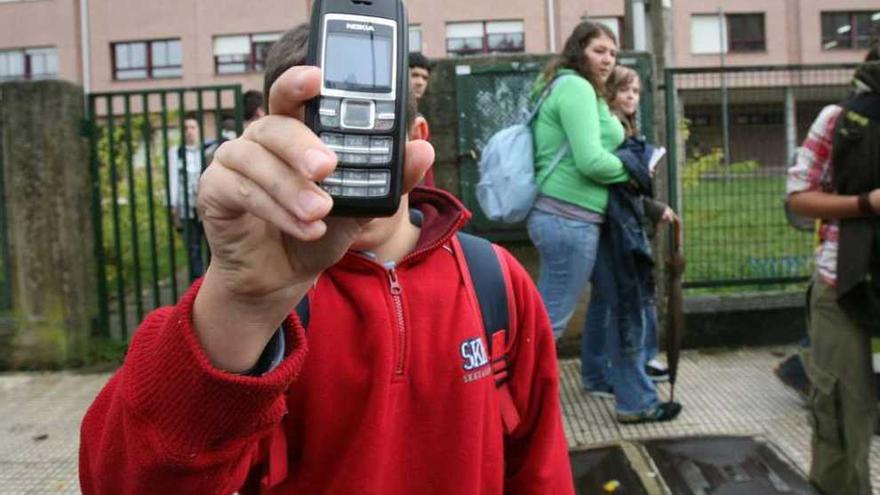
x,y
472,30
415,30
237,53
708,34
24,61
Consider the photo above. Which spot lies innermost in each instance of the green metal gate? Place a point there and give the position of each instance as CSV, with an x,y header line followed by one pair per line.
x,y
732,132
141,259
492,97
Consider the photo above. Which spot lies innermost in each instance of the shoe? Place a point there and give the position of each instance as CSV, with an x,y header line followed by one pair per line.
x,y
666,411
601,393
657,372
791,372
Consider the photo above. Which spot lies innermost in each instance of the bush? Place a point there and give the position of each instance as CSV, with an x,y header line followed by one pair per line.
x,y
119,183
711,164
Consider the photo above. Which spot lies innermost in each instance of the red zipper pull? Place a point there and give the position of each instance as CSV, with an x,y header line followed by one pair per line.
x,y
394,283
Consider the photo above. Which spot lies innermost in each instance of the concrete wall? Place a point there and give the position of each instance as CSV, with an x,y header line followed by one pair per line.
x,y
48,217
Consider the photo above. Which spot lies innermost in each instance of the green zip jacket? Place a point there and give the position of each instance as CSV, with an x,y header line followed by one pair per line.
x,y
574,112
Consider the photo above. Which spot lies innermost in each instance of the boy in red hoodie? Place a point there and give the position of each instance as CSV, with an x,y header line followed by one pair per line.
x,y
227,392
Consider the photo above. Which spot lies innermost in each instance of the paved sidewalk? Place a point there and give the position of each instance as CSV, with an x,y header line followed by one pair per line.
x,y
39,430
731,392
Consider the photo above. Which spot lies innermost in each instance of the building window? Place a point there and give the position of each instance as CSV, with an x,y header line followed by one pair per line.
x,y
746,33
157,59
615,24
770,117
415,38
737,33
28,63
706,34
242,53
467,38
849,30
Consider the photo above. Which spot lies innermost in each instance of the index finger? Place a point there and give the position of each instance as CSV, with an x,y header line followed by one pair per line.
x,y
293,88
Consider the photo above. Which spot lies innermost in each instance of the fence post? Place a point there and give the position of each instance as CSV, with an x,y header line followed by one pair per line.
x,y
47,199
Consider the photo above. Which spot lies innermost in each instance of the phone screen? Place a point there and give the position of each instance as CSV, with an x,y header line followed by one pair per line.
x,y
359,62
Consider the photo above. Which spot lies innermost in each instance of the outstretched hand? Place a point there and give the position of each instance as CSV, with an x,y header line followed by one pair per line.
x,y
266,221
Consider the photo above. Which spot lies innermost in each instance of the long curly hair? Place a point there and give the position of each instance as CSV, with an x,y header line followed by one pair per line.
x,y
573,57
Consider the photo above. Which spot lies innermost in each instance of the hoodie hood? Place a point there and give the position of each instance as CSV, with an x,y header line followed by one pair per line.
x,y
440,215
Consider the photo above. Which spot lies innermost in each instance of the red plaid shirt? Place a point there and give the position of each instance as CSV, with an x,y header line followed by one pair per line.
x,y
812,171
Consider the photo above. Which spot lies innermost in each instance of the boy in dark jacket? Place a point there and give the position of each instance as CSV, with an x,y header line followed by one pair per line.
x,y
379,396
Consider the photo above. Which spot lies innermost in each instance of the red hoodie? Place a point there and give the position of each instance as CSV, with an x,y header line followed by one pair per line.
x,y
375,400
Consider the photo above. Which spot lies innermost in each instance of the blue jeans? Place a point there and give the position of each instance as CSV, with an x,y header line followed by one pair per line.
x,y
652,333
193,233
594,358
567,251
614,355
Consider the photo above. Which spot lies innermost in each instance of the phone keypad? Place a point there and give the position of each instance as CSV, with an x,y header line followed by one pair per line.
x,y
358,183
359,149
356,143
362,169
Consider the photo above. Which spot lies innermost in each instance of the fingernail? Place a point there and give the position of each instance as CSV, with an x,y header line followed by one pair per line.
x,y
310,201
317,160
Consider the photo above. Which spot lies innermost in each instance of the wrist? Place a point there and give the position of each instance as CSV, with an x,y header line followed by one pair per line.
x,y
234,328
865,206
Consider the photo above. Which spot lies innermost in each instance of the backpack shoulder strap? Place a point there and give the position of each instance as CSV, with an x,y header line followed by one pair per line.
x,y
487,276
545,93
488,279
303,311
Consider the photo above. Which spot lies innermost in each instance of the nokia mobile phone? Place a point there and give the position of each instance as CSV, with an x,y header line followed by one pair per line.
x,y
361,48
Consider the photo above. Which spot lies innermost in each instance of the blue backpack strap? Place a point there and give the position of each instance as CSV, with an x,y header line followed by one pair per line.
x,y
303,311
487,277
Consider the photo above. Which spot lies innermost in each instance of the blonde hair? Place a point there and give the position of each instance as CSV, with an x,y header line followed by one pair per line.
x,y
621,77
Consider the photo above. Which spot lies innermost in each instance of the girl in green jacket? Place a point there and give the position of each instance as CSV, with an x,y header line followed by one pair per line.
x,y
564,223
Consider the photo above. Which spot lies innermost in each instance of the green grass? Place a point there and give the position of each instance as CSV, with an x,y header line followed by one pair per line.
x,y
736,229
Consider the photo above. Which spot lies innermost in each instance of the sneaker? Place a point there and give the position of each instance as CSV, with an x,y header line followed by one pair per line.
x,y
666,411
792,373
656,371
601,393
